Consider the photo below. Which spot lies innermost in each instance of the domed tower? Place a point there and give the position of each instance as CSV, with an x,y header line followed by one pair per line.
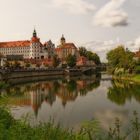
x,y
63,40
35,46
34,38
34,33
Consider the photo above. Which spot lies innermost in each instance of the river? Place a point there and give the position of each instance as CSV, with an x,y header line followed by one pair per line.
x,y
72,100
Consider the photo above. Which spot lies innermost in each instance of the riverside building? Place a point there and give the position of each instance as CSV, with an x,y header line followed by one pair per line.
x,y
64,49
29,49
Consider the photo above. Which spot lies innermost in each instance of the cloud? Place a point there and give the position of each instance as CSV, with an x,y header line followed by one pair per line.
x,y
133,45
74,6
106,117
102,47
111,15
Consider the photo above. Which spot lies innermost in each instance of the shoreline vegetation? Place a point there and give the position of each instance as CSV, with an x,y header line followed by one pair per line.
x,y
11,129
127,77
124,64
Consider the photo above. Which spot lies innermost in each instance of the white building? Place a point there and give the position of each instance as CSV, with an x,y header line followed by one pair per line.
x,y
30,49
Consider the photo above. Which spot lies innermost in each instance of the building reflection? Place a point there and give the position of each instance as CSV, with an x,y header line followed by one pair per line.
x,y
34,94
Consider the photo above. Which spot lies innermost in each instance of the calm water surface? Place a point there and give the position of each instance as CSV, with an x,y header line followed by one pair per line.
x,y
71,101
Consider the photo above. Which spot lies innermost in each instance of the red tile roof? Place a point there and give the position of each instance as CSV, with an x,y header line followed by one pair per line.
x,y
35,39
24,43
66,46
69,45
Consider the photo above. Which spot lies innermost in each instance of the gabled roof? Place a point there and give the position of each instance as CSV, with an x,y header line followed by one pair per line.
x,y
10,44
66,46
46,44
69,45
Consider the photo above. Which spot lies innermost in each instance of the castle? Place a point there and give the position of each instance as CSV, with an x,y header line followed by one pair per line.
x,y
39,54
29,49
34,49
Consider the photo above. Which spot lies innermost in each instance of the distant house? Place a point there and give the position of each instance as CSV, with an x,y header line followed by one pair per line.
x,y
81,61
39,62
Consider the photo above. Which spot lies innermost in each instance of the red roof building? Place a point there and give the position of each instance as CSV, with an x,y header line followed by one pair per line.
x,y
29,49
64,49
81,61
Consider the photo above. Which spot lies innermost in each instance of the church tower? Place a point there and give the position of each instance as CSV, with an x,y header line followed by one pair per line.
x,y
63,40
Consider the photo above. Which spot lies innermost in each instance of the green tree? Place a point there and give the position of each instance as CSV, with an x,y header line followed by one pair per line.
x,y
56,61
83,51
71,60
94,57
121,58
90,55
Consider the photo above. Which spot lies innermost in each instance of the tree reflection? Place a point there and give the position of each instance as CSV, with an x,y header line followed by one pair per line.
x,y
121,92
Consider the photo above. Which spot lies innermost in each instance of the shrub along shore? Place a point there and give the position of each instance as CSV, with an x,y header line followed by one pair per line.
x,y
11,129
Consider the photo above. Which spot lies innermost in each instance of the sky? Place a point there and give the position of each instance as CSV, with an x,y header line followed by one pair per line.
x,y
99,25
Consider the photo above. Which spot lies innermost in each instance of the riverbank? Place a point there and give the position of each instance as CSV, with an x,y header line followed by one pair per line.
x,y
12,129
132,78
13,74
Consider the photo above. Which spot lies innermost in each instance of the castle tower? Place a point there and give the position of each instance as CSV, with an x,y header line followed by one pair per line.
x,y
35,46
63,40
34,33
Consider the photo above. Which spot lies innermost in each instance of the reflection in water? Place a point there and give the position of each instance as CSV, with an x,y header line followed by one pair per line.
x,y
35,94
70,101
121,91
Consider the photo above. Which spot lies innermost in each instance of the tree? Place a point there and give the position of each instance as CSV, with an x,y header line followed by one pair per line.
x,y
55,61
90,55
71,60
83,51
121,58
94,57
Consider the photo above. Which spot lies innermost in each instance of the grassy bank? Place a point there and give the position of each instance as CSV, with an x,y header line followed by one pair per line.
x,y
11,129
